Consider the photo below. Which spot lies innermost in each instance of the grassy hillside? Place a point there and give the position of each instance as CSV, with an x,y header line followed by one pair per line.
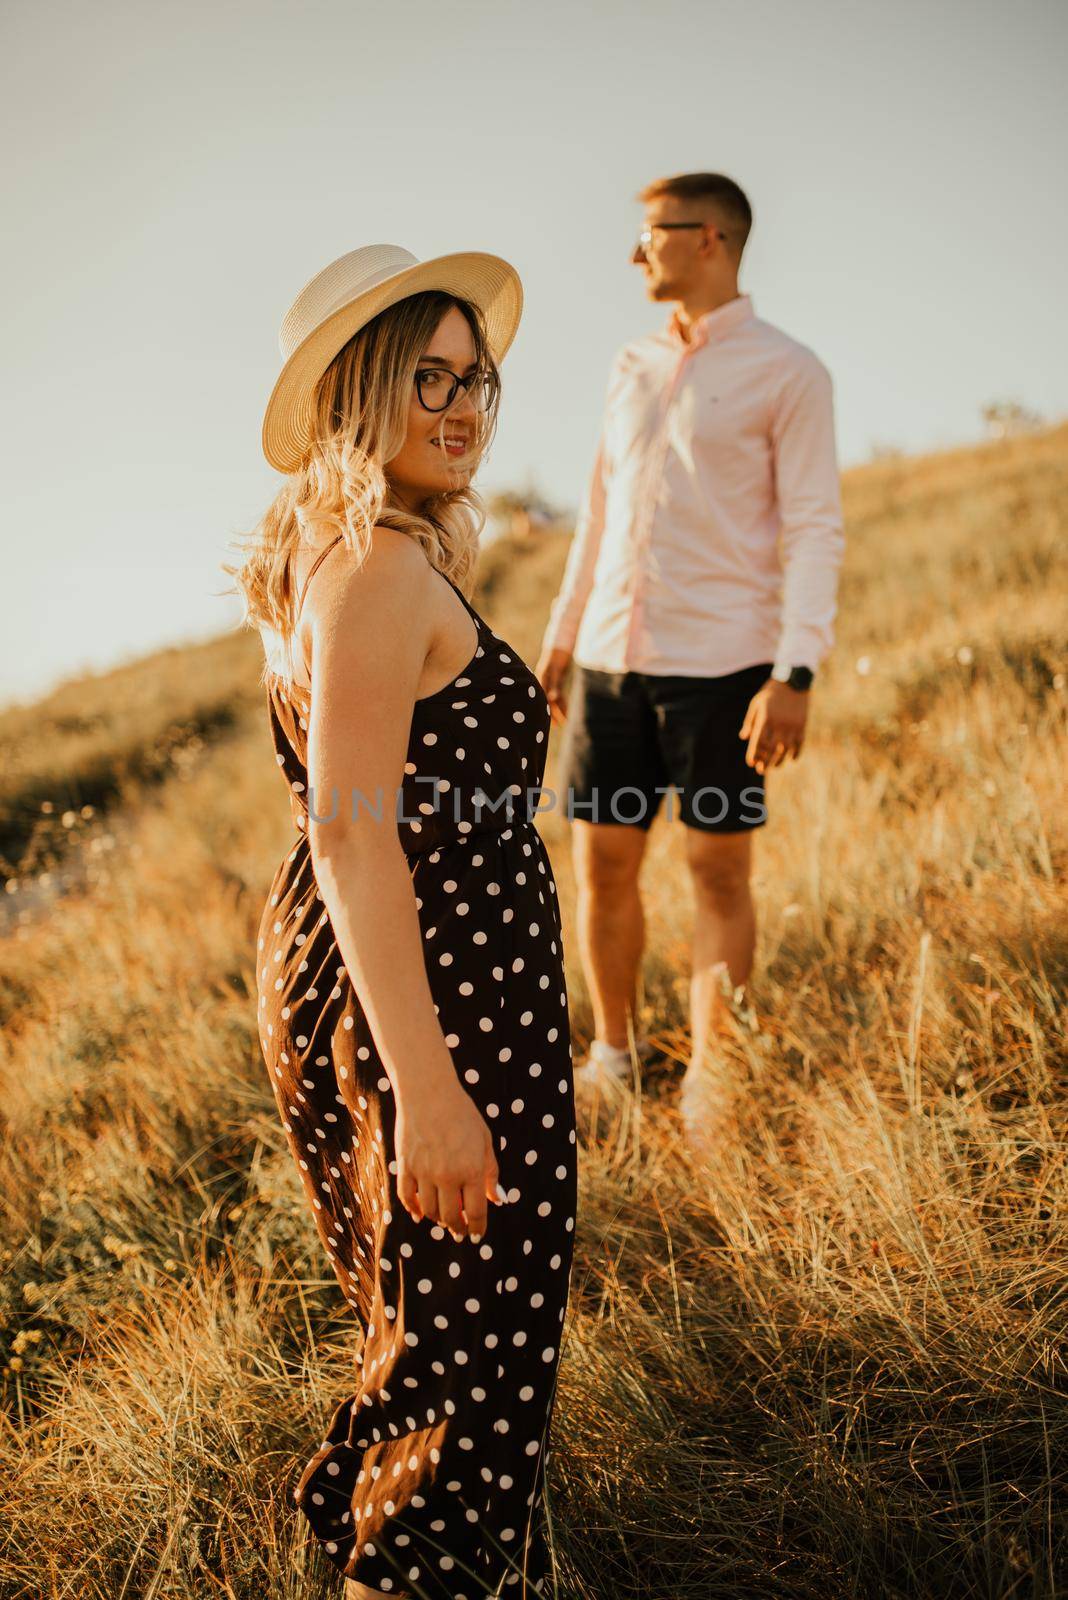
x,y
832,1365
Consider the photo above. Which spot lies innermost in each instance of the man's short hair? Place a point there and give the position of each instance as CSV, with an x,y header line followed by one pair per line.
x,y
729,200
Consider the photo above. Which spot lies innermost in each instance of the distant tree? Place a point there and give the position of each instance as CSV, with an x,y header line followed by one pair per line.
x,y
1004,418
521,512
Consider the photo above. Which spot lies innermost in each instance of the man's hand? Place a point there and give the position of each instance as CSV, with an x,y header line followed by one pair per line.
x,y
550,671
774,724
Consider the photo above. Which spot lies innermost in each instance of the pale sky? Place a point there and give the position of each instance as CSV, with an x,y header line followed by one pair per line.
x,y
174,174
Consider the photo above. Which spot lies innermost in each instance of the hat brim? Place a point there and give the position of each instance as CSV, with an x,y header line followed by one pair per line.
x,y
487,281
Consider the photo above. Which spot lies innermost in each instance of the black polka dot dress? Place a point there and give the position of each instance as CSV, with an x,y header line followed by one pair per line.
x,y
429,1480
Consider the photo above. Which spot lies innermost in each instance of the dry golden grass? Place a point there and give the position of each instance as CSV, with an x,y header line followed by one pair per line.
x,y
831,1364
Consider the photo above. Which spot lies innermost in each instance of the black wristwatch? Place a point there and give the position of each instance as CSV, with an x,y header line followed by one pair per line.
x,y
798,678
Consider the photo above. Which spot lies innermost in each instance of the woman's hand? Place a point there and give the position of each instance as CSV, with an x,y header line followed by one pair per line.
x,y
446,1168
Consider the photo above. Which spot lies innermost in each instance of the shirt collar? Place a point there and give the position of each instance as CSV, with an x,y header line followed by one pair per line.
x,y
715,324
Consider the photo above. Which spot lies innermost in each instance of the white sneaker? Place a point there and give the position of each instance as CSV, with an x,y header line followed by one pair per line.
x,y
609,1065
605,1066
707,1104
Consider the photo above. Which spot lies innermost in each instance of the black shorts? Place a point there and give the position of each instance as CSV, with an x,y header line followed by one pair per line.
x,y
630,736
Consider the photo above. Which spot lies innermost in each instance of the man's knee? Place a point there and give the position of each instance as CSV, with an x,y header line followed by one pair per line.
x,y
608,855
720,865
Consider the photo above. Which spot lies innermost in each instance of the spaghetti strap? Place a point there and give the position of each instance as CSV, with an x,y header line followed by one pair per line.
x,y
311,570
470,608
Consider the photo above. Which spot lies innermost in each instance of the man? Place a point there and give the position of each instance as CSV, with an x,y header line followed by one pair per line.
x,y
697,603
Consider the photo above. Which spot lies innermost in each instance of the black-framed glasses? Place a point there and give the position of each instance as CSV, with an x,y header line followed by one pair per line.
x,y
645,238
438,387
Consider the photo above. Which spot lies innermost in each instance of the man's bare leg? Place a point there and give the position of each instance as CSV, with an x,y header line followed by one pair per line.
x,y
724,933
610,923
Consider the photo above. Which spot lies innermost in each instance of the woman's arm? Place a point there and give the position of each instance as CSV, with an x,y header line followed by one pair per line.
x,y
371,631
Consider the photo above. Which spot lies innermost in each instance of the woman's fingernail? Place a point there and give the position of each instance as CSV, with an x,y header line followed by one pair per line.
x,y
475,1237
501,1195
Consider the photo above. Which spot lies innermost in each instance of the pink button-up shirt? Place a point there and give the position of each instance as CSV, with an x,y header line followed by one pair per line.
x,y
712,451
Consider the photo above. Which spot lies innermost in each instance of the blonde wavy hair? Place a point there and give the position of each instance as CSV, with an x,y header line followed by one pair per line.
x,y
359,422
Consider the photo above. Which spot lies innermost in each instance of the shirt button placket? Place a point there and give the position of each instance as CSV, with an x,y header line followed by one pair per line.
x,y
654,473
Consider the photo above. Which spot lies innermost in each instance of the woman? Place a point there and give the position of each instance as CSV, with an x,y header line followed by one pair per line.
x,y
412,1007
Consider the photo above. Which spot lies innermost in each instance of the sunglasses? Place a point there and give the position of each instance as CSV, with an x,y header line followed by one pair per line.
x,y
645,238
437,388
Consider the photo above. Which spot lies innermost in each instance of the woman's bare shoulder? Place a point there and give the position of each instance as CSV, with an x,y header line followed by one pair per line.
x,y
370,600
392,558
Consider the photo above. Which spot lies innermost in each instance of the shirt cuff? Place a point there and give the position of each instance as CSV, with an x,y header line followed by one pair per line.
x,y
560,637
795,656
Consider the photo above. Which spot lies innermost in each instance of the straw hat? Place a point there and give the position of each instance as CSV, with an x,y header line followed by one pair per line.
x,y
344,296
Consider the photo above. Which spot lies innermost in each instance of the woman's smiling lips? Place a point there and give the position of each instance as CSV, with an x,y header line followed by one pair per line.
x,y
452,447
